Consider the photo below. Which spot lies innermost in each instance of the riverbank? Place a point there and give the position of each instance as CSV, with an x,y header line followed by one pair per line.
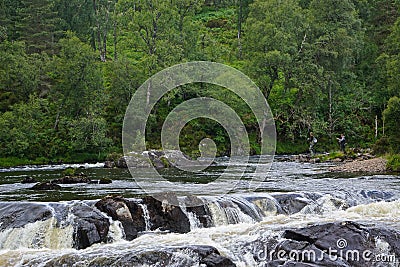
x,y
375,165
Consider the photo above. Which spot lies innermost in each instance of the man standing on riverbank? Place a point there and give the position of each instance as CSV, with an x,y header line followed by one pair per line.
x,y
312,140
342,143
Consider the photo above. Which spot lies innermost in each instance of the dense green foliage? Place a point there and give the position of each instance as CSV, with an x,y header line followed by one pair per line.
x,y
69,68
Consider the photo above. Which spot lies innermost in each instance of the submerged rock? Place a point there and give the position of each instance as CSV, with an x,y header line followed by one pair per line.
x,y
29,180
45,186
192,255
291,203
72,180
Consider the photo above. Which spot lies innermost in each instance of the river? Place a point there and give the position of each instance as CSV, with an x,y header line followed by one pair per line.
x,y
293,195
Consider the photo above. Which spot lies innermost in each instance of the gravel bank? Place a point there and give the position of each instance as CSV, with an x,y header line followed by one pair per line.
x,y
371,165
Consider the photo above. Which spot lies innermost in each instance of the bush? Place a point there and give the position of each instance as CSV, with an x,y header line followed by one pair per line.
x,y
394,163
381,146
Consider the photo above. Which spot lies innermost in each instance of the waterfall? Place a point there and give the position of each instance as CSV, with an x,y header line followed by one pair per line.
x,y
226,211
146,217
193,220
39,234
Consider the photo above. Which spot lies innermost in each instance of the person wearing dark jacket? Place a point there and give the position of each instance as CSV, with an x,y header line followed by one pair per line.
x,y
342,143
312,140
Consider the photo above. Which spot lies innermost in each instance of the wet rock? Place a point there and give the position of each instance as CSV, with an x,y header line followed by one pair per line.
x,y
165,213
45,186
199,209
105,181
79,179
29,180
339,241
157,158
109,164
90,225
122,209
205,256
101,181
134,160
18,214
291,203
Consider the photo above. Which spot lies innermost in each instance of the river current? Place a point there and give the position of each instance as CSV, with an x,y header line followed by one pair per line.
x,y
240,219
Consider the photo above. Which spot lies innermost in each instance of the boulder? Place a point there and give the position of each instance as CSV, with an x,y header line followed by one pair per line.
x,y
79,179
29,180
120,209
156,158
338,244
193,255
90,225
19,214
197,206
165,214
45,186
291,203
109,164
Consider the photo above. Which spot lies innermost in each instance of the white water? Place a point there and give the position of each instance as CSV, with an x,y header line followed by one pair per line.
x,y
53,167
235,240
146,217
240,221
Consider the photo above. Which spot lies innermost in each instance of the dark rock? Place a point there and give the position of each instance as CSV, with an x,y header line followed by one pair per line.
x,y
157,158
215,260
340,239
29,180
197,206
158,164
45,186
71,180
18,214
104,181
159,256
292,203
121,163
165,213
109,164
90,225
120,209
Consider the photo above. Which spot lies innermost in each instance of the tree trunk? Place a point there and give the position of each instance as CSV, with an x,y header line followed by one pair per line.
x,y
239,34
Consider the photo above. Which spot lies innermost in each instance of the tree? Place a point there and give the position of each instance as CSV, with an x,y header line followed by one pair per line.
x,y
336,38
392,123
78,89
19,75
39,25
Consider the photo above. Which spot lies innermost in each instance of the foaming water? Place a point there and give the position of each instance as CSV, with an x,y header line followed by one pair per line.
x,y
293,195
236,241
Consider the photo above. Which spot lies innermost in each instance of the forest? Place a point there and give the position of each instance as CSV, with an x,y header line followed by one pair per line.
x,y
68,69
